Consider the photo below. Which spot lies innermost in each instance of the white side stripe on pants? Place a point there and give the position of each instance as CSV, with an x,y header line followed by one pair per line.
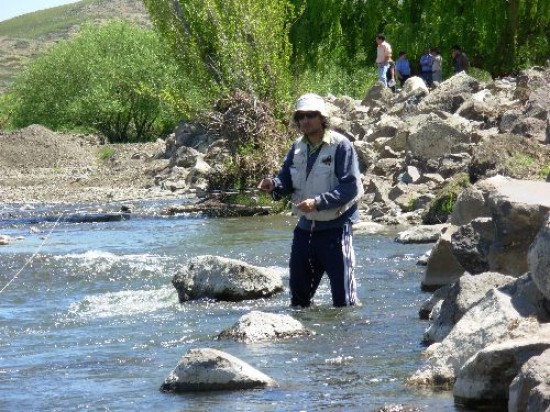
x,y
349,264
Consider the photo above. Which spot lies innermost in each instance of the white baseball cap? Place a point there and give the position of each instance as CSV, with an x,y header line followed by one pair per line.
x,y
311,102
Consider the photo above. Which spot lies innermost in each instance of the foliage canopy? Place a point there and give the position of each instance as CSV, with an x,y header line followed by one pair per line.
x,y
226,45
116,79
499,37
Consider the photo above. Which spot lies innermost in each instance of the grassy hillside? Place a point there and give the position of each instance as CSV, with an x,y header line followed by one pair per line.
x,y
26,36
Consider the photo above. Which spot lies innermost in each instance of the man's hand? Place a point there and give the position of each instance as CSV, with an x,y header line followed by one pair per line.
x,y
307,205
266,185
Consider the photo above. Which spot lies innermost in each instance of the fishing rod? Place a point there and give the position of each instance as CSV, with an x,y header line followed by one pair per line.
x,y
29,260
245,190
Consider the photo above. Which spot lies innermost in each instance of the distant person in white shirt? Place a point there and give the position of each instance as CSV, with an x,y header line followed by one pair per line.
x,y
437,66
383,57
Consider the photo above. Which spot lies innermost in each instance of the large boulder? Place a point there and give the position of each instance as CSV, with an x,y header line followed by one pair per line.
x,y
387,126
443,268
496,318
225,279
478,110
434,138
451,94
193,135
530,383
414,84
210,370
539,259
463,294
485,378
531,119
185,156
377,97
471,243
539,398
427,307
517,210
469,205
259,326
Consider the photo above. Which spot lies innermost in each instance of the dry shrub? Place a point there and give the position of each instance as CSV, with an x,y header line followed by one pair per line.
x,y
256,139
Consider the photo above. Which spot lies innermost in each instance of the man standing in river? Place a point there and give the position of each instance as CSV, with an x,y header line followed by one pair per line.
x,y
321,174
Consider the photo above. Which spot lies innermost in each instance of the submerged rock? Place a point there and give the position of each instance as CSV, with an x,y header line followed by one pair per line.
x,y
259,326
225,279
211,370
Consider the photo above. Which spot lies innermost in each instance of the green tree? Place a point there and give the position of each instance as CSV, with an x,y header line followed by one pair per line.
x,y
116,79
227,45
499,37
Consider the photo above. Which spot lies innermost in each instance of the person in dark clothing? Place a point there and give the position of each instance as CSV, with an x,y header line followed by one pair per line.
x,y
460,61
402,68
426,61
321,174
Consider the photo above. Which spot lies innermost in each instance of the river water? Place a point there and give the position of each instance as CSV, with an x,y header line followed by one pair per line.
x,y
89,319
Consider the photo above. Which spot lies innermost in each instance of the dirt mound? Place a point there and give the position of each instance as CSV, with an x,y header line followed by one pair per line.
x,y
39,165
38,147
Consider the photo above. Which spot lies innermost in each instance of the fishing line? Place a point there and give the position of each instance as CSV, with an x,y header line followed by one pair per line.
x,y
29,260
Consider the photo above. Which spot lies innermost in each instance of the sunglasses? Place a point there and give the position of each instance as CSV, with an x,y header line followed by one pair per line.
x,y
305,115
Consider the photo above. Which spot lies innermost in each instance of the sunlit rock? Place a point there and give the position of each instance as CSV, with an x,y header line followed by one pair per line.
x,y
498,317
259,326
225,279
463,294
485,378
539,259
530,390
211,370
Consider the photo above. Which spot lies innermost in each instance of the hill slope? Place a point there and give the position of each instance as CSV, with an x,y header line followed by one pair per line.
x,y
29,35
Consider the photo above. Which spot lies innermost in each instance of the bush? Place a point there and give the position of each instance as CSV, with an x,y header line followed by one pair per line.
x,y
116,79
333,78
255,138
443,204
230,44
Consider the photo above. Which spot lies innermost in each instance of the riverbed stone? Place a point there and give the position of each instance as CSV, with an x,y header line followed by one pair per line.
x,y
443,268
532,380
207,369
485,378
539,259
420,234
258,326
496,318
226,279
463,294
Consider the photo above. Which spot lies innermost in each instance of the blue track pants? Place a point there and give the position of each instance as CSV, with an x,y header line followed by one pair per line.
x,y
313,254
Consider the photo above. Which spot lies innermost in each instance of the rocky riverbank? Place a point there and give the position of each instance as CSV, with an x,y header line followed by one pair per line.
x,y
412,145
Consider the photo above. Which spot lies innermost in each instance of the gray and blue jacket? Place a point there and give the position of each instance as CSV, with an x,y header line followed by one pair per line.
x,y
329,174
